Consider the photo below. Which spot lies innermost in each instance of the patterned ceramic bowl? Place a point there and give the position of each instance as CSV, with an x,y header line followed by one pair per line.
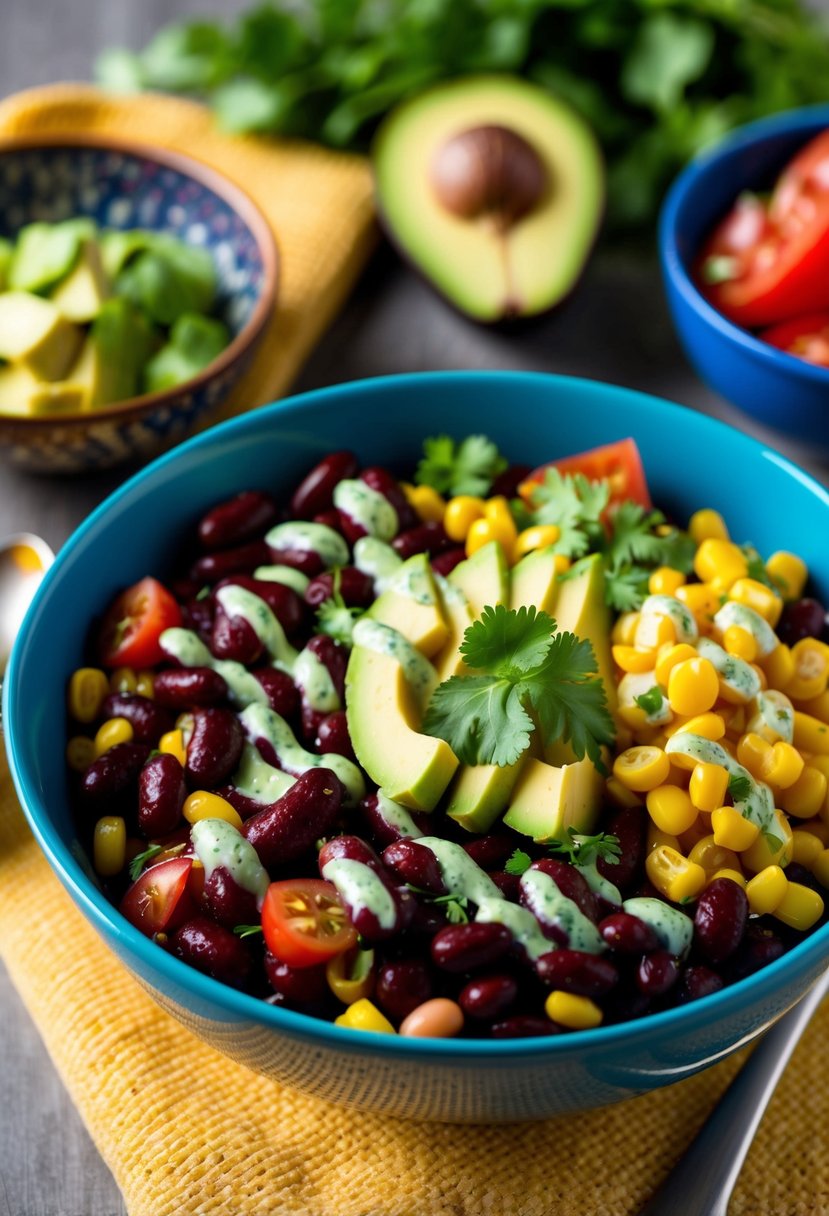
x,y
126,185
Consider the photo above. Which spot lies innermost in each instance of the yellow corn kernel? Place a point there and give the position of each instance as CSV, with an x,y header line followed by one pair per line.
x,y
735,876
665,581
671,809
818,828
88,687
782,765
80,752
806,848
810,734
707,524
720,562
759,597
655,838
641,768
740,643
693,686
702,599
707,787
800,907
700,828
732,830
574,1012
789,572
145,684
820,868
671,657
633,658
624,630
109,846
752,751
762,854
818,707
634,718
480,533
561,563
362,1015
708,725
536,537
811,670
499,517
674,876
805,797
779,667
426,502
172,744
461,513
712,856
123,679
111,732
734,717
766,890
202,804
620,795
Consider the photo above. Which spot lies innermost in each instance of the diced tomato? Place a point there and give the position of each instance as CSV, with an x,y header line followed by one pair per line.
x,y
618,463
159,900
806,337
766,263
133,624
305,922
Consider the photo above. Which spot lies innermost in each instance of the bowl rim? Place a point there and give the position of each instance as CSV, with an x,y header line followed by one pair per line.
x,y
236,197
242,1007
808,119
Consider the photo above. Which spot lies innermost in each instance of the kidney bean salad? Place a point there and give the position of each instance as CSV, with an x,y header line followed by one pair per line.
x,y
494,752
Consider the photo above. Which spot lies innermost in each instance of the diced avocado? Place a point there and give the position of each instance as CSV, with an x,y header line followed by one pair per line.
x,y
32,331
493,188
122,342
195,341
169,279
45,253
448,662
17,383
59,397
483,578
534,581
6,250
480,793
80,295
412,606
548,799
384,720
118,248
582,609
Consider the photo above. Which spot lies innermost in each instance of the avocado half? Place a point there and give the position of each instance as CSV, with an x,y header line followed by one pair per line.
x,y
494,190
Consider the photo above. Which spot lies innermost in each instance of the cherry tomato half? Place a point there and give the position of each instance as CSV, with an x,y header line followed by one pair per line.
x,y
619,463
806,337
133,624
305,922
158,900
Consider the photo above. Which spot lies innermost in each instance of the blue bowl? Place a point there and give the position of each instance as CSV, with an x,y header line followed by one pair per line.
x,y
127,185
530,417
778,389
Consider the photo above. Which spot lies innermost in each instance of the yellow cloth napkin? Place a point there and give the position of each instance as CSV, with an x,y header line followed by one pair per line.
x,y
186,1131
318,203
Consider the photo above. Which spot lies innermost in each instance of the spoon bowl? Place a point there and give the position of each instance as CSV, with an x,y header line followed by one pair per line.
x,y
24,559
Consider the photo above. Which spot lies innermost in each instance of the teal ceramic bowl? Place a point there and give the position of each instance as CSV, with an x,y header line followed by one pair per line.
x,y
532,417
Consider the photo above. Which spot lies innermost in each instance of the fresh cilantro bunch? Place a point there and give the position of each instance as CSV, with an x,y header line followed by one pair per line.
x,y
468,467
579,849
574,504
527,677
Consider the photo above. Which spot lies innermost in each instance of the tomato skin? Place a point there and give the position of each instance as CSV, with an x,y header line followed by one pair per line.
x,y
804,337
134,622
159,900
620,463
329,932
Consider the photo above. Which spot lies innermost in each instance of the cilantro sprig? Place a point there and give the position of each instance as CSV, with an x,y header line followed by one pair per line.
x,y
143,859
583,850
739,787
526,676
335,617
468,467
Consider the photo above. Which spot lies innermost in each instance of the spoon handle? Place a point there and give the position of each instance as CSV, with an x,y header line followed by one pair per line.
x,y
701,1182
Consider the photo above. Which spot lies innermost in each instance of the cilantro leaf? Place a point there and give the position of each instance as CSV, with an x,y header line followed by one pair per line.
x,y
632,539
481,718
650,701
626,587
506,642
518,863
469,467
773,842
639,542
757,570
583,850
142,859
574,504
334,617
243,931
568,700
739,787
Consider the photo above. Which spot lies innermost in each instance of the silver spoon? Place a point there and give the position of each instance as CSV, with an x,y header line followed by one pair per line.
x,y
701,1183
24,559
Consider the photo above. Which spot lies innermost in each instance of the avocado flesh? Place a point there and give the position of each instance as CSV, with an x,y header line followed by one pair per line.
x,y
459,616
412,606
17,383
80,295
534,581
548,799
540,258
32,331
484,578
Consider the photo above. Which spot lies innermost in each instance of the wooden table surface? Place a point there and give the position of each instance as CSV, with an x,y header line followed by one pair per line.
x,y
615,328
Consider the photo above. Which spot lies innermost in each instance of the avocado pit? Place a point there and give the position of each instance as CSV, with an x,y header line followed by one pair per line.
x,y
489,172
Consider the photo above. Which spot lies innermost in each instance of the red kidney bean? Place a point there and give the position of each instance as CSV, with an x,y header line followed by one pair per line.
x,y
467,947
720,919
625,1002
656,973
240,560
331,519
289,827
351,528
307,561
114,774
414,863
384,483
508,884
232,637
356,588
428,538
488,996
197,614
571,883
334,658
228,903
189,688
629,824
759,947
298,985
363,919
184,589
446,562
282,693
161,794
523,1026
804,618
577,971
283,601
427,919
696,982
490,851
237,519
383,830
401,986
316,490
507,483
214,749
333,738
148,720
628,934
214,950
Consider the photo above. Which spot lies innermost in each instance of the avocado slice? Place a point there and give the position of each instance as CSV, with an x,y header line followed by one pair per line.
x,y
535,581
484,578
80,295
411,605
548,799
582,609
59,397
458,615
494,189
121,342
32,331
45,253
17,383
